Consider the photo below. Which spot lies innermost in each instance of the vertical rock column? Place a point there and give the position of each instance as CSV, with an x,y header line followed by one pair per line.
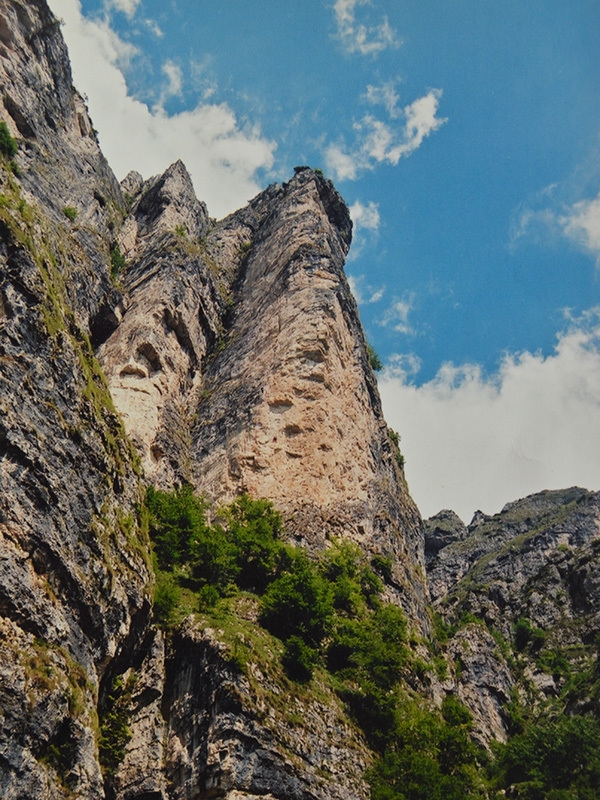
x,y
290,407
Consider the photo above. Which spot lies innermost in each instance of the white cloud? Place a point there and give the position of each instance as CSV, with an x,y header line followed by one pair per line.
x,y
221,156
359,38
475,442
344,165
378,141
128,7
364,294
365,217
421,120
582,224
397,315
386,96
154,27
548,218
174,85
366,222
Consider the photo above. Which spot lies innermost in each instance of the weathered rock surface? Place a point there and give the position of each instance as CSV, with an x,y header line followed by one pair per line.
x,y
440,531
72,572
59,161
484,683
240,365
153,360
290,408
536,563
230,736
234,355
75,617
491,568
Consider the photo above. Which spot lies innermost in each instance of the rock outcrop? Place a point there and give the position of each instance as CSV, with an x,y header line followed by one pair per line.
x,y
234,358
290,408
239,737
241,366
73,573
529,578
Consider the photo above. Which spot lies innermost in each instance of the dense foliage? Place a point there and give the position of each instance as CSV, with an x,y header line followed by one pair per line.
x,y
553,759
8,146
114,725
329,614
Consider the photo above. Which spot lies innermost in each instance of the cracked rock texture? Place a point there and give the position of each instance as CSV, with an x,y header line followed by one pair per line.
x,y
537,561
87,348
231,736
72,569
241,366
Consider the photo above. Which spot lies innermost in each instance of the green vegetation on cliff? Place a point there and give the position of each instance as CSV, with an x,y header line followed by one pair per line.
x,y
329,614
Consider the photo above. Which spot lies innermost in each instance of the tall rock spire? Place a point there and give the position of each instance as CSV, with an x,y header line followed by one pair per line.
x,y
290,408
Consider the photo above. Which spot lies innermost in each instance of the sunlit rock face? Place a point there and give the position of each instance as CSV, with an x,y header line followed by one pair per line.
x,y
290,408
530,576
241,365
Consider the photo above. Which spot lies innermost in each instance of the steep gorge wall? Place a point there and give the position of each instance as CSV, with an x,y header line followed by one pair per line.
x,y
241,366
72,568
204,397
523,588
232,354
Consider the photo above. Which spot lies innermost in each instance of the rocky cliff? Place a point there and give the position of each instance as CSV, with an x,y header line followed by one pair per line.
x,y
241,366
518,592
144,343
73,571
234,359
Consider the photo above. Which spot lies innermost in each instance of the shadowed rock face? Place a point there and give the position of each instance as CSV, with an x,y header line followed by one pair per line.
x,y
60,163
153,359
72,575
537,562
228,738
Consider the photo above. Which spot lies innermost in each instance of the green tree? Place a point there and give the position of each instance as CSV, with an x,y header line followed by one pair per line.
x,y
354,584
176,520
254,528
551,756
299,602
429,756
8,146
299,660
374,359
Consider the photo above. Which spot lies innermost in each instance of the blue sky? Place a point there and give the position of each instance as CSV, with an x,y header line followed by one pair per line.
x,y
464,135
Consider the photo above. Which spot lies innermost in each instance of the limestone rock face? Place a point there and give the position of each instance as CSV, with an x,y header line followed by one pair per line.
x,y
440,531
153,360
530,575
492,566
72,568
290,408
75,582
59,161
484,684
240,365
232,739
143,342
